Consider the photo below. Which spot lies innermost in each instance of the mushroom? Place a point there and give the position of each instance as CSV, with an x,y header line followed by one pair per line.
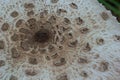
x,y
80,40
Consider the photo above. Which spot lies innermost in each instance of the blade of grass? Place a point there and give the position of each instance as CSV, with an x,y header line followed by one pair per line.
x,y
117,4
116,11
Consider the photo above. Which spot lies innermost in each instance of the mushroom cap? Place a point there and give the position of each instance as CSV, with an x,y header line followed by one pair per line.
x,y
58,40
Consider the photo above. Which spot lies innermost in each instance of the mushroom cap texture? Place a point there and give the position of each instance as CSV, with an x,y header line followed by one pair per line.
x,y
81,40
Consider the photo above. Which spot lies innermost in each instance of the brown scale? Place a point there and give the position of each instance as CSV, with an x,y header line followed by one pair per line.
x,y
117,37
54,56
29,5
69,35
54,1
5,26
103,66
63,76
72,44
25,46
67,21
12,77
2,63
34,52
59,11
82,60
79,21
15,37
33,60
100,41
66,29
84,30
96,56
60,47
52,19
51,48
47,58
19,23
2,44
14,14
42,51
36,59
24,31
30,13
59,62
86,47
23,37
104,15
73,5
63,40
56,40
30,72
15,53
32,23
84,74
43,13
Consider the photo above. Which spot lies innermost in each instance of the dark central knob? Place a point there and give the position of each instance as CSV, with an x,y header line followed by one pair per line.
x,y
42,36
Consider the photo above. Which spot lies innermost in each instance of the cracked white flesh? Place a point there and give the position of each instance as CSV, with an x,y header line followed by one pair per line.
x,y
88,10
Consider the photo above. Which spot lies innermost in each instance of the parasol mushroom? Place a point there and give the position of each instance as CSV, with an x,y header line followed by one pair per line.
x,y
58,40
